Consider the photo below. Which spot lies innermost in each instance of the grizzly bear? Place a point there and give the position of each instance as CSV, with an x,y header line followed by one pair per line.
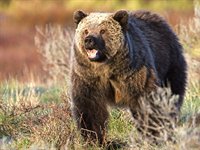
x,y
116,59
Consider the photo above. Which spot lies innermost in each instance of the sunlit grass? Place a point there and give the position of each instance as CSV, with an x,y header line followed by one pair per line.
x,y
20,123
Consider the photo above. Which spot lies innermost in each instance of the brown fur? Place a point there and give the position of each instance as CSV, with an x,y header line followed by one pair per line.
x,y
142,53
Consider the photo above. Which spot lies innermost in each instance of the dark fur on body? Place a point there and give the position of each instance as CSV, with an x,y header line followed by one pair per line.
x,y
150,56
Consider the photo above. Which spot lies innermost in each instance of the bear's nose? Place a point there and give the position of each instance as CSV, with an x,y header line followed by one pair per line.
x,y
89,42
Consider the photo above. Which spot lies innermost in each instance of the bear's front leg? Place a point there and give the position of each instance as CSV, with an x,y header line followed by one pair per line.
x,y
90,112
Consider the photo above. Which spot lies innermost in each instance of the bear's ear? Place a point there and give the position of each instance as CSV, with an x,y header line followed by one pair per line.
x,y
122,17
78,16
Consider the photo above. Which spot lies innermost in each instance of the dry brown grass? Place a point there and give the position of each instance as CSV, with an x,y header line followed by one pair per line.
x,y
189,32
158,115
24,117
31,123
54,44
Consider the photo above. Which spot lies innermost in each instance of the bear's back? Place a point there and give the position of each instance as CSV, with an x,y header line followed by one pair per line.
x,y
162,40
147,16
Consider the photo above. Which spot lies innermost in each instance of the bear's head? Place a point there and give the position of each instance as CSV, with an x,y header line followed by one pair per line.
x,y
99,36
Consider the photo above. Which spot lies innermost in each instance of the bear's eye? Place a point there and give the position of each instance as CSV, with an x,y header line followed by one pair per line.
x,y
102,31
86,31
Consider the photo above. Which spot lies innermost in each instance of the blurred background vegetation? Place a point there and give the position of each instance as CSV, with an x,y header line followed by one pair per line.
x,y
35,40
18,19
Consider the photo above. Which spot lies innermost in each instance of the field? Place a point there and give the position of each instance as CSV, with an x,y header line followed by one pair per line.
x,y
34,102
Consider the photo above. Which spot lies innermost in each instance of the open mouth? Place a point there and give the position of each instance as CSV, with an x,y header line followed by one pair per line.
x,y
95,55
92,54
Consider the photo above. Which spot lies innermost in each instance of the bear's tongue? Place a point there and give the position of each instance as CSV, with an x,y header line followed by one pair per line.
x,y
92,53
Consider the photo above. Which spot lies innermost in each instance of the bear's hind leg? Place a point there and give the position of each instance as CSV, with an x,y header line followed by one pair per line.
x,y
177,78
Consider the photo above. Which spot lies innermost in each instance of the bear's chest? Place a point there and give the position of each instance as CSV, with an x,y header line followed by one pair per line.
x,y
122,92
127,87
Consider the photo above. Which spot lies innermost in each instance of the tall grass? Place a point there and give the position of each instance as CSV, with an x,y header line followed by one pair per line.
x,y
190,32
27,121
54,44
25,118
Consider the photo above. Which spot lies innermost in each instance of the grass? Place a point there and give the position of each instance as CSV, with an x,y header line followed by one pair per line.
x,y
28,120
38,116
190,33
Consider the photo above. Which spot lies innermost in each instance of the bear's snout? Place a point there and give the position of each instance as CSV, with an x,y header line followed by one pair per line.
x,y
90,42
